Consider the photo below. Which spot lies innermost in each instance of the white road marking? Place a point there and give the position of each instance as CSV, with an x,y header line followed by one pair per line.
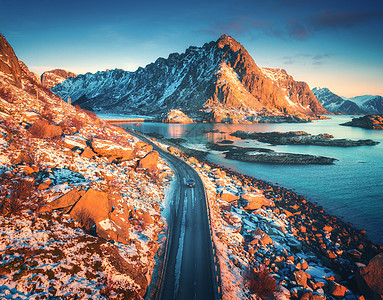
x,y
177,271
193,198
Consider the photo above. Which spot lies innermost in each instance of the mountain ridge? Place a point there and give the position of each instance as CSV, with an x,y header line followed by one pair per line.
x,y
364,104
219,76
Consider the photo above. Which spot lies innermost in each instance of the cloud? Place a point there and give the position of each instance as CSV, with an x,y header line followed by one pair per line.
x,y
330,19
297,30
306,58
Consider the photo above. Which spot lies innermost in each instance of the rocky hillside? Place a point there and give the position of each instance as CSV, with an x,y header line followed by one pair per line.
x,y
297,93
219,77
54,77
357,105
69,184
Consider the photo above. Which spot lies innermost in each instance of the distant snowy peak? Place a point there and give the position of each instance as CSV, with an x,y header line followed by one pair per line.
x,y
366,104
219,75
52,78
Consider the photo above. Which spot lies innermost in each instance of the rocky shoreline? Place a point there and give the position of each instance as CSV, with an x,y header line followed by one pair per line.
x,y
367,122
309,253
301,138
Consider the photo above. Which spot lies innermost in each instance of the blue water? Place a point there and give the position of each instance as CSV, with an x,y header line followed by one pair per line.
x,y
351,189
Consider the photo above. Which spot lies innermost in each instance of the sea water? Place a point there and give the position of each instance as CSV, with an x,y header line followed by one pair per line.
x,y
352,188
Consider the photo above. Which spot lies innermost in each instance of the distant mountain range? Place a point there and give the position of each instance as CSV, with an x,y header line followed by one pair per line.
x,y
219,79
367,104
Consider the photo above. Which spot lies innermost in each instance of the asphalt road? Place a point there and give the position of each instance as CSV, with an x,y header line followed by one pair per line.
x,y
189,266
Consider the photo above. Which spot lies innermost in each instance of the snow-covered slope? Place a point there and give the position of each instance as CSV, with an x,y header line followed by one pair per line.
x,y
372,104
57,159
297,93
366,104
219,75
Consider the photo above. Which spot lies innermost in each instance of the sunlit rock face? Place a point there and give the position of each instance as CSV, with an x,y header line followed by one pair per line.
x,y
220,76
9,64
54,77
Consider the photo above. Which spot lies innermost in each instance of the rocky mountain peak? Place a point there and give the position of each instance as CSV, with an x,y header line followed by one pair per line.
x,y
220,75
226,40
52,78
9,63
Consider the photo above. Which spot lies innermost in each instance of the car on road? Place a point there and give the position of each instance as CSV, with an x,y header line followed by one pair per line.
x,y
190,182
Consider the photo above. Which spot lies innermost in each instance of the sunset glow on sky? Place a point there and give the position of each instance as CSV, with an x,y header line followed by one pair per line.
x,y
334,44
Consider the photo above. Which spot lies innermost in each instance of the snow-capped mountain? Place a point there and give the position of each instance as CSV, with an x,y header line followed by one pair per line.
x,y
52,78
335,103
371,104
366,104
219,75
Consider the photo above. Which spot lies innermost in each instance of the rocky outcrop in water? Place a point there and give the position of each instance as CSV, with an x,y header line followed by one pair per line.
x,y
279,158
367,122
268,156
301,138
176,116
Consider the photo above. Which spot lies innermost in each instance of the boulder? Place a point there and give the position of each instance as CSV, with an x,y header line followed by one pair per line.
x,y
66,200
71,142
336,289
111,149
228,197
262,237
149,161
43,129
256,201
88,153
301,277
143,146
94,203
370,279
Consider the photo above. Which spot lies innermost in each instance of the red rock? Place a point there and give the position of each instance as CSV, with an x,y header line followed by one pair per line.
x,y
301,278
256,201
88,153
336,289
228,197
262,237
43,129
95,203
43,186
328,228
372,275
111,149
149,162
331,254
9,64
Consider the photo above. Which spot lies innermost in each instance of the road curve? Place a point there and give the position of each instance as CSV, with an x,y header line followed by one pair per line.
x,y
189,268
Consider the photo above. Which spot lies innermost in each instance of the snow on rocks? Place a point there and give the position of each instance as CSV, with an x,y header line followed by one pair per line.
x,y
69,178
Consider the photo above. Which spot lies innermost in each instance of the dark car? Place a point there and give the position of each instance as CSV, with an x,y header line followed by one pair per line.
x,y
190,183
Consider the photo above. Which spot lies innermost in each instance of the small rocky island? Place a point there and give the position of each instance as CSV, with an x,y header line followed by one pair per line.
x,y
367,122
268,156
301,138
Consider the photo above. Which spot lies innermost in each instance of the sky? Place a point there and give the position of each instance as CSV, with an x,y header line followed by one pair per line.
x,y
336,44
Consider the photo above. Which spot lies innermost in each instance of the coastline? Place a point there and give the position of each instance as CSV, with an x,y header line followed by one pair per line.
x,y
300,235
